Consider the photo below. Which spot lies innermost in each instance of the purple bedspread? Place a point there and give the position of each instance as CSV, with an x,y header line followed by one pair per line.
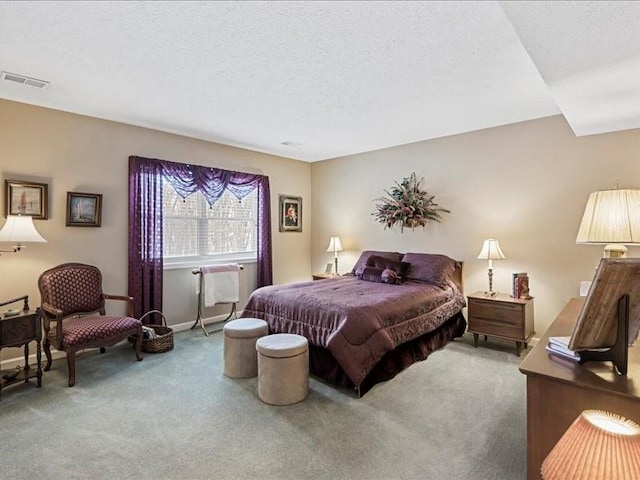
x,y
357,321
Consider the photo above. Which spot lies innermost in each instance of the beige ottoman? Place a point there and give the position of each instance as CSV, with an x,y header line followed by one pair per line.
x,y
283,368
240,358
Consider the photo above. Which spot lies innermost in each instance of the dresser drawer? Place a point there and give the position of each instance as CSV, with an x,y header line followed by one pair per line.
x,y
499,328
499,311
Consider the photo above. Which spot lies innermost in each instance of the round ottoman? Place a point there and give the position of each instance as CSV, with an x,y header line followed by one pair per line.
x,y
240,359
283,368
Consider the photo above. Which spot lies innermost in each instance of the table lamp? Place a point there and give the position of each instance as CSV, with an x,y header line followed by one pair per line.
x,y
335,246
611,218
598,445
491,251
20,229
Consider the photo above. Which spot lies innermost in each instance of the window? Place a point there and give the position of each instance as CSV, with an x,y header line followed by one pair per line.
x,y
193,231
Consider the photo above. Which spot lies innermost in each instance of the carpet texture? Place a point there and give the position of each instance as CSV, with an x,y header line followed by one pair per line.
x,y
460,414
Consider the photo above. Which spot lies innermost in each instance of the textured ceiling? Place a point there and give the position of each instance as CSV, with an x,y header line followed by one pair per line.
x,y
336,77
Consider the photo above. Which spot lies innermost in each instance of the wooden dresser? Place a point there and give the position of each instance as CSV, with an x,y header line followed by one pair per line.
x,y
558,390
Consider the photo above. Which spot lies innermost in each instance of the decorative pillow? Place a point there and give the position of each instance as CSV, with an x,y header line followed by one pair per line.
x,y
429,267
400,268
378,275
364,256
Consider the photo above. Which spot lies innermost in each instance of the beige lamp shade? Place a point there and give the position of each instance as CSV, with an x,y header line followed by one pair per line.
x,y
598,445
19,229
335,245
491,250
611,217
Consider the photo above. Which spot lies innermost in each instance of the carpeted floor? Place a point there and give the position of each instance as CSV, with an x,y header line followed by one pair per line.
x,y
458,415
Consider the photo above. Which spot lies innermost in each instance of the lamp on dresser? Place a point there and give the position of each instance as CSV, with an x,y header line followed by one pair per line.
x,y
491,251
19,229
598,445
611,218
335,246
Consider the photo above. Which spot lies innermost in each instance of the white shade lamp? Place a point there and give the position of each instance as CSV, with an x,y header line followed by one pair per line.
x,y
335,246
491,251
598,445
611,218
19,229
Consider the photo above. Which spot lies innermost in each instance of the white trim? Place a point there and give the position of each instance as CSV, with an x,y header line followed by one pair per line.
x,y
194,263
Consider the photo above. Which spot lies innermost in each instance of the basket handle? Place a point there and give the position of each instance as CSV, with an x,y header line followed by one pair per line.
x,y
164,320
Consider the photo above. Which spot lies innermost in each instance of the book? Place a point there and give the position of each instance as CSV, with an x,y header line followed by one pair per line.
x,y
517,285
561,345
550,349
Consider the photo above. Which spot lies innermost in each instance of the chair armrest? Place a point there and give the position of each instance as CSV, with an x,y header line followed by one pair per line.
x,y
50,310
124,298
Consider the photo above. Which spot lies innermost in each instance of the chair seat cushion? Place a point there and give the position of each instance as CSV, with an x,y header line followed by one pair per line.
x,y
80,331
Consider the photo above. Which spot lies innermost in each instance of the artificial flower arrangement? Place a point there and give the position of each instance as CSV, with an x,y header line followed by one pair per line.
x,y
407,205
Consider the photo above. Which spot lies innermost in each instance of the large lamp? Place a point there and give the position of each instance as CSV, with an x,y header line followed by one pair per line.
x,y
491,251
611,218
335,246
598,445
19,229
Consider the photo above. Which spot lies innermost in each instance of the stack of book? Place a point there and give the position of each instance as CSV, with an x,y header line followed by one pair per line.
x,y
560,346
520,285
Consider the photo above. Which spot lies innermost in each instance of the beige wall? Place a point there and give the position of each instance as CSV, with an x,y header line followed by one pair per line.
x,y
525,184
82,154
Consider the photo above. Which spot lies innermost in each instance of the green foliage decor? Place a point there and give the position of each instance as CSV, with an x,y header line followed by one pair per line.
x,y
407,205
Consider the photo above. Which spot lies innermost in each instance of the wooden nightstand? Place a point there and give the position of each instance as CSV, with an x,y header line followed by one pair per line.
x,y
322,276
18,331
500,316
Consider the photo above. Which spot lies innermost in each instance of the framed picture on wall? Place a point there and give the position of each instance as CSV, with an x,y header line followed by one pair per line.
x,y
84,209
26,198
290,213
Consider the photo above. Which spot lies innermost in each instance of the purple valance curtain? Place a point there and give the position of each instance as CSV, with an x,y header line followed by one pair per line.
x,y
145,219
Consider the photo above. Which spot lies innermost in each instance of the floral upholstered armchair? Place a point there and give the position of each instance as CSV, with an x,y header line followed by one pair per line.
x,y
73,308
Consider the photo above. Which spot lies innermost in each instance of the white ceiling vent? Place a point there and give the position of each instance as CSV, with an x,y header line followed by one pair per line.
x,y
32,82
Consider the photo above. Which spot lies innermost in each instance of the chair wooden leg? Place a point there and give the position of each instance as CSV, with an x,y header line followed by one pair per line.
x,y
47,352
71,364
139,343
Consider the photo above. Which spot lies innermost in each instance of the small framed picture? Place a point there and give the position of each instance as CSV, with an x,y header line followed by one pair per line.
x,y
290,213
328,268
84,209
26,198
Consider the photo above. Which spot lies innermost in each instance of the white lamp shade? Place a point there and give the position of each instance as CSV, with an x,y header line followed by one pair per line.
x,y
491,250
611,216
335,245
598,445
20,229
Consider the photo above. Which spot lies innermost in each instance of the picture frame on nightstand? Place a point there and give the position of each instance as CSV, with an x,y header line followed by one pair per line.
x,y
328,268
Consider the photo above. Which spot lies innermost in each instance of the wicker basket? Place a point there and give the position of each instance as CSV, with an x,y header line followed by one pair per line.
x,y
164,336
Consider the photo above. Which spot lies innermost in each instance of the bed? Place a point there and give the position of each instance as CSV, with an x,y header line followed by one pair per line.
x,y
364,328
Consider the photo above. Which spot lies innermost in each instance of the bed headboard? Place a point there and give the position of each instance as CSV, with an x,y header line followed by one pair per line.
x,y
456,276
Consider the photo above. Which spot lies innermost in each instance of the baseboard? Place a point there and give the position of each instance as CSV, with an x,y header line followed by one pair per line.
x,y
214,324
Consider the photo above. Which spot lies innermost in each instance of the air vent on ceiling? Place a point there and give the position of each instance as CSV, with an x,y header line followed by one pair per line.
x,y
32,82
289,143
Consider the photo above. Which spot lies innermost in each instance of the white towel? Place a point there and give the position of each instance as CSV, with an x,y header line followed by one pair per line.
x,y
221,284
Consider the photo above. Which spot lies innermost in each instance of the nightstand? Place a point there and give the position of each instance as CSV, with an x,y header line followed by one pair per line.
x,y
323,276
500,316
18,331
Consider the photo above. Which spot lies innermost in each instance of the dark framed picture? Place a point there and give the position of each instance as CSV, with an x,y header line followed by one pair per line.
x,y
290,213
26,198
84,209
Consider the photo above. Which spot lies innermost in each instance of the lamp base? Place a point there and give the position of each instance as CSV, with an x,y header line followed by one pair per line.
x,y
614,250
490,293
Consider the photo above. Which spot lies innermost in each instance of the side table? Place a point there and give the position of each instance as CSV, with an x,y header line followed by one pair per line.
x,y
501,316
322,276
18,331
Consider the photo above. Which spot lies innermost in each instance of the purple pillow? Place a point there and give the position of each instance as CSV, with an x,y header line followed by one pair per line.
x,y
378,275
364,257
429,267
400,268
